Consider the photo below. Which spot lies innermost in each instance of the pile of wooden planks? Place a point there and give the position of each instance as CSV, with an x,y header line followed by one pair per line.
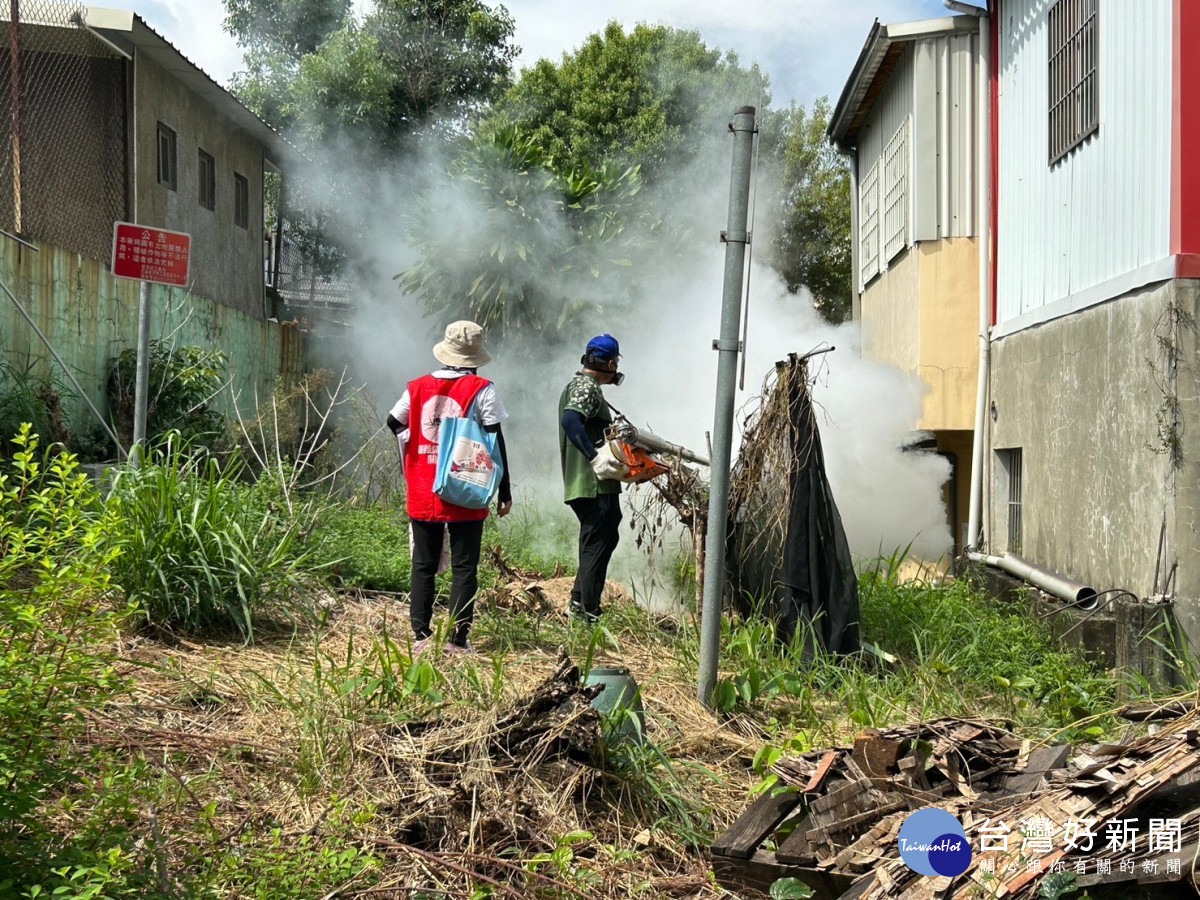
x,y
832,821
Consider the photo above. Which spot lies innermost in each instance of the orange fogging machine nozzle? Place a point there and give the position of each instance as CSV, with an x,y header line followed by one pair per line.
x,y
623,430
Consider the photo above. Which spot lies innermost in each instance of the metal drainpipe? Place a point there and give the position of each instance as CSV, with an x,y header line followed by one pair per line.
x,y
1079,595
983,230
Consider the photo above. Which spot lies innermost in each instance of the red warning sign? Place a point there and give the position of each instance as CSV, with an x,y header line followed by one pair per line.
x,y
150,254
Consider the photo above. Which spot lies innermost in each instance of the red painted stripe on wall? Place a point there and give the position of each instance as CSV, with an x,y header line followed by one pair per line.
x,y
994,206
1185,133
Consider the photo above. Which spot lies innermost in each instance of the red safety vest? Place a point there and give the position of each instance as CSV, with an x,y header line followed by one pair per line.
x,y
431,400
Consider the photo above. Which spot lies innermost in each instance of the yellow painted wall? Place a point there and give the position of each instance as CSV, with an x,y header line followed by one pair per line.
x,y
949,332
891,314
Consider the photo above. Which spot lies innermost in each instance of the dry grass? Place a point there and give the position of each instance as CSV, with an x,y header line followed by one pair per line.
x,y
473,791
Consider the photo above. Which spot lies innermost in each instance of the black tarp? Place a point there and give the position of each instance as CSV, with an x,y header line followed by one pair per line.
x,y
787,554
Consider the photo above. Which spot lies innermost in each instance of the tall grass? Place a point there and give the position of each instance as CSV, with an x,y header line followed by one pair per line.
x,y
201,551
956,652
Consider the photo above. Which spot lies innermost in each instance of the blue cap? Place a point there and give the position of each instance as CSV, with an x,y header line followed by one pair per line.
x,y
604,346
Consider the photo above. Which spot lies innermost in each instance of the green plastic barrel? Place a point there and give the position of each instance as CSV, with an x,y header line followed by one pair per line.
x,y
621,692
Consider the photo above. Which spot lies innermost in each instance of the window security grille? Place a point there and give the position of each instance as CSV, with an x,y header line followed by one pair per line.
x,y
1074,84
895,193
869,217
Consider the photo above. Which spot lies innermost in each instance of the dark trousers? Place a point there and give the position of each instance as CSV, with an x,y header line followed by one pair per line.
x,y
466,538
599,530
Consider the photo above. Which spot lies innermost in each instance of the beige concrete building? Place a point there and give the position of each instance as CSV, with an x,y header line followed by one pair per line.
x,y
907,118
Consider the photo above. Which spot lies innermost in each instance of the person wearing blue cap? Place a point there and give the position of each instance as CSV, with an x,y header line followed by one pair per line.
x,y
583,417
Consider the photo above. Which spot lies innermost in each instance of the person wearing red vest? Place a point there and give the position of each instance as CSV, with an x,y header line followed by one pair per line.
x,y
415,420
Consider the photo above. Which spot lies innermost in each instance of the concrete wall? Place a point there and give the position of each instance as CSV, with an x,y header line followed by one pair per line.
x,y
1183,539
922,315
90,317
1081,396
948,358
227,260
891,316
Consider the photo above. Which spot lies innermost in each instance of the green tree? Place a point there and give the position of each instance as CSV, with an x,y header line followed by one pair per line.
x,y
654,98
316,72
811,246
275,35
535,237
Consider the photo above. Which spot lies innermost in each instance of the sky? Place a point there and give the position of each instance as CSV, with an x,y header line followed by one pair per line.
x,y
806,46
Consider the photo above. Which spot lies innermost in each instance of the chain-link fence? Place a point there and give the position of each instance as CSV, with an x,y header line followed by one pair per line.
x,y
63,176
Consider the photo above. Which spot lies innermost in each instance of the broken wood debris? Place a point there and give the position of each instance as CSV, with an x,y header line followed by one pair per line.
x,y
836,813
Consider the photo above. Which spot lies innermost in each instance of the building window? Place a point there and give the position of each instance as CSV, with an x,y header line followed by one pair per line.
x,y
895,193
241,201
1074,93
168,170
1010,486
868,217
208,181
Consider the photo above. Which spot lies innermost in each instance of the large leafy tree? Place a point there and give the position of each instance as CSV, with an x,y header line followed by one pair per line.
x,y
541,246
811,243
654,97
408,65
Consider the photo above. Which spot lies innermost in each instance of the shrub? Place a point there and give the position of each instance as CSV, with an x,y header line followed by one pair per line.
x,y
182,384
198,552
56,623
26,397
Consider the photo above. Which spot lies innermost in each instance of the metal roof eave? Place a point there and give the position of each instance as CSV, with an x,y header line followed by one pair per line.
x,y
879,40
122,26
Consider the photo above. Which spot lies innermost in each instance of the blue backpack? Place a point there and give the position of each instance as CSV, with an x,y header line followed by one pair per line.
x,y
468,465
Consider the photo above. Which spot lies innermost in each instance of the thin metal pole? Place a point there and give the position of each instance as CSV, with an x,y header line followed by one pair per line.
x,y
141,387
736,238
14,49
32,324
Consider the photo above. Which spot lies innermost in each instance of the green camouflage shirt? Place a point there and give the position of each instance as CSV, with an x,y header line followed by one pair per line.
x,y
583,395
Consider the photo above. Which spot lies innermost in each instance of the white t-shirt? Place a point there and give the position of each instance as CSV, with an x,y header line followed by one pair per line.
x,y
488,408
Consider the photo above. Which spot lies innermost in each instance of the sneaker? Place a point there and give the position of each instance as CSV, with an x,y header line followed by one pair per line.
x,y
582,616
420,647
464,649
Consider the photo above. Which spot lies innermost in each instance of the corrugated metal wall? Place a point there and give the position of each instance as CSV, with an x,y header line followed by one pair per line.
x,y
945,83
934,88
1105,210
90,317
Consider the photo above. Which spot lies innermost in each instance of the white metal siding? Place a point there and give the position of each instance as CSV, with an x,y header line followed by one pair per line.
x,y
945,157
1104,211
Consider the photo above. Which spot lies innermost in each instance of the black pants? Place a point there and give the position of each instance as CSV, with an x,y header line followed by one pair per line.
x,y
466,538
599,530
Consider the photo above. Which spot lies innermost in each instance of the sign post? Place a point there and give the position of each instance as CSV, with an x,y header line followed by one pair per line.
x,y
148,255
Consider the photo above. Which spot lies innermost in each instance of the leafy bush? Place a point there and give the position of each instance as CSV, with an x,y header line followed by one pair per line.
x,y
26,397
198,549
183,382
365,547
56,623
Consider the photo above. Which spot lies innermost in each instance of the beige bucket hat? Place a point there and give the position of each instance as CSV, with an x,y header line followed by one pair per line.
x,y
462,346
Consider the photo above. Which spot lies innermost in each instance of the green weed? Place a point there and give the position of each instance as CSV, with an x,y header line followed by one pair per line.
x,y
196,553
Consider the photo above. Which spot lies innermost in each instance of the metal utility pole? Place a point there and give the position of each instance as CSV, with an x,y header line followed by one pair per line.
x,y
141,385
736,238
